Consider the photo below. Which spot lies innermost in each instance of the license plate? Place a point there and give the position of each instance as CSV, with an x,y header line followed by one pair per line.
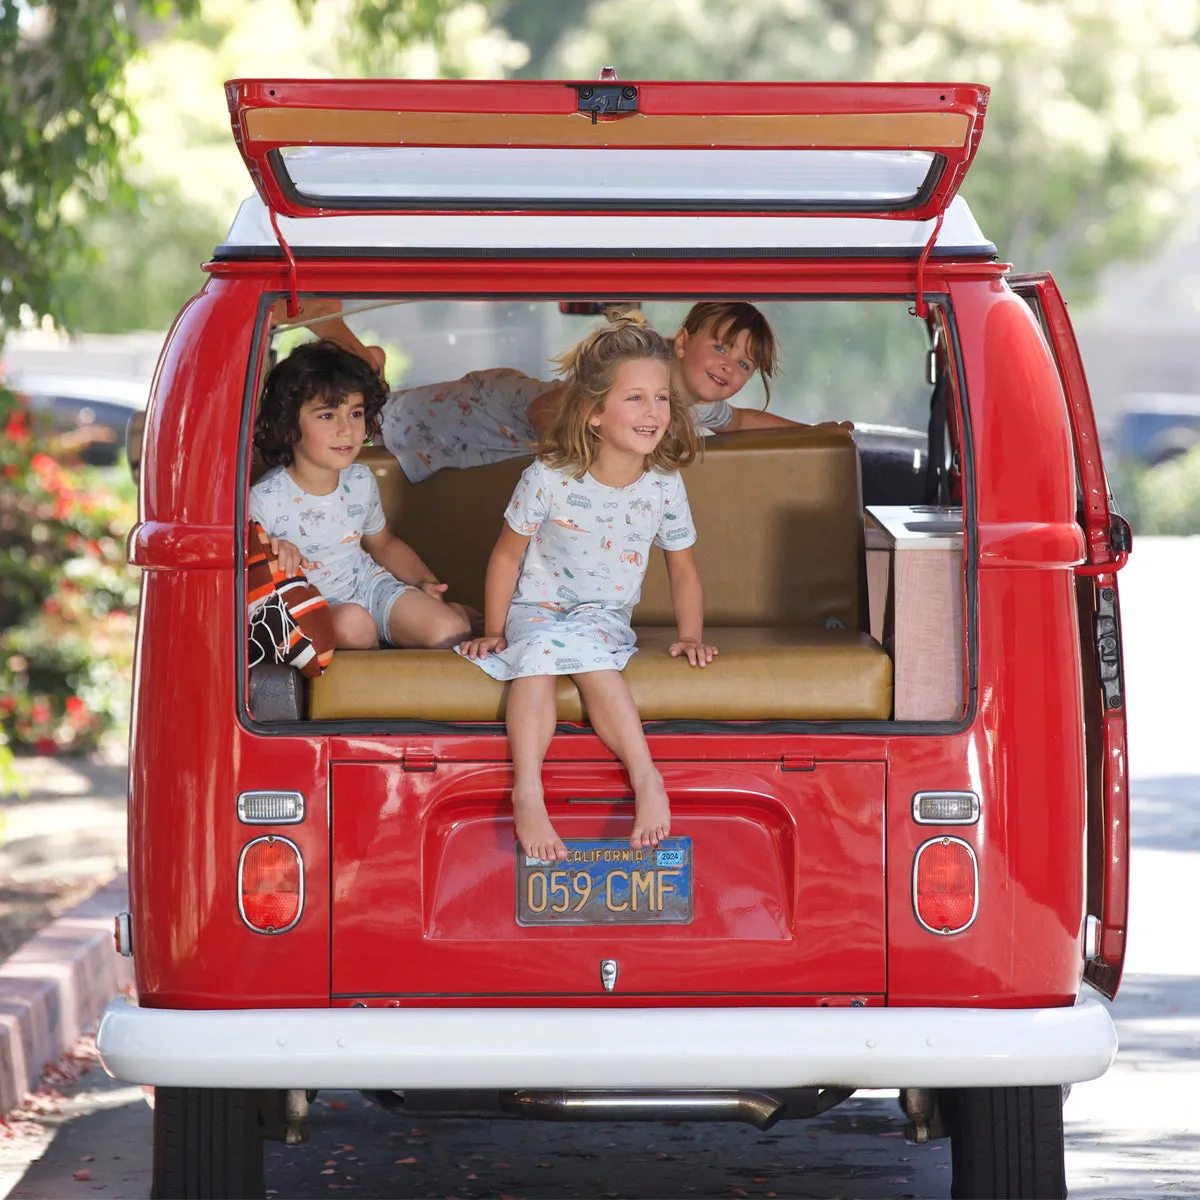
x,y
606,882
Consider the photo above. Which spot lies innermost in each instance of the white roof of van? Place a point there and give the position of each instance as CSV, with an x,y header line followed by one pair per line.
x,y
491,234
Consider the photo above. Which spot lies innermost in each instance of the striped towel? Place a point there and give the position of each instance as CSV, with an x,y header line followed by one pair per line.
x,y
290,621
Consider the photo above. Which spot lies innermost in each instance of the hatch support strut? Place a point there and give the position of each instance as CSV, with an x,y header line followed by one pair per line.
x,y
293,305
920,308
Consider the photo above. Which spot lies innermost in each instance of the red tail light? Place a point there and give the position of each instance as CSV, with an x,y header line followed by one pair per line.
x,y
945,885
271,884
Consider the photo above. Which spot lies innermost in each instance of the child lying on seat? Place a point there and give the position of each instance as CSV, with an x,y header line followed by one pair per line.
x,y
499,413
322,511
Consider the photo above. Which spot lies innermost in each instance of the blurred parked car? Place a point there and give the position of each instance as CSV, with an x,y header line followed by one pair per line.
x,y
1158,426
89,412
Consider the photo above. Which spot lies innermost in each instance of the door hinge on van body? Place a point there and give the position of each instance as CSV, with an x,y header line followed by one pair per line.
x,y
1106,632
419,760
798,762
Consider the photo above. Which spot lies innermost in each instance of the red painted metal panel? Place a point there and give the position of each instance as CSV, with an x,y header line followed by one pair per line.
x,y
190,466
162,545
1024,755
419,897
189,755
190,760
788,883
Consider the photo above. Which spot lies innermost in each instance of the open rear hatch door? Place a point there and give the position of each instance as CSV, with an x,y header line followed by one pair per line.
x,y
336,147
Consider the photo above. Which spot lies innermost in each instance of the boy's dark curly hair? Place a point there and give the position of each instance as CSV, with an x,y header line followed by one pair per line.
x,y
314,369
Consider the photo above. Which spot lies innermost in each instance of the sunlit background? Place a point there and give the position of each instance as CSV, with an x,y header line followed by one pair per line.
x,y
119,175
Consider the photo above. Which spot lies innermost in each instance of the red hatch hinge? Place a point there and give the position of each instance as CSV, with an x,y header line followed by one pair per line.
x,y
293,305
798,762
920,308
420,760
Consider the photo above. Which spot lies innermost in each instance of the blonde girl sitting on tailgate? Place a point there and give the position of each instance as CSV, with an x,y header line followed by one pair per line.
x,y
567,569
321,510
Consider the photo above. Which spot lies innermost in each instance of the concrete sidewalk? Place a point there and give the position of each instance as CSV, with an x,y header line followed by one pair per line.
x,y
63,838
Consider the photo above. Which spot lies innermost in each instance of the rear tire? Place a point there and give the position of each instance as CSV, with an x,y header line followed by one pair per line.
x,y
1007,1143
207,1145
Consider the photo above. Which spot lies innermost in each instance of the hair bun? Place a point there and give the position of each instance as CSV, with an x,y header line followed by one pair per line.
x,y
619,317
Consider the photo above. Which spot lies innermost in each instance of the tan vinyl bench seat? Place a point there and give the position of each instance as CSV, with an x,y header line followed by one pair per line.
x,y
760,675
781,556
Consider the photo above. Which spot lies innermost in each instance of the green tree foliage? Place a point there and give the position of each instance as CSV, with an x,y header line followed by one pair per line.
x,y
79,242
395,23
138,262
63,120
1091,120
1163,500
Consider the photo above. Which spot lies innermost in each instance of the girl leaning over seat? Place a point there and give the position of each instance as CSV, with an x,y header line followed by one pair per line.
x,y
567,570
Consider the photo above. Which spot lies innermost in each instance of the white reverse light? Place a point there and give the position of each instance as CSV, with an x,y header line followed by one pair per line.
x,y
270,808
945,808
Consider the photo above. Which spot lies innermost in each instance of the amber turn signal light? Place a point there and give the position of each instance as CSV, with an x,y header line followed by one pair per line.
x,y
270,884
945,885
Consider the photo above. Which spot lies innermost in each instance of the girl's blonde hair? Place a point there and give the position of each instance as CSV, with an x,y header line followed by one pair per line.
x,y
729,318
589,371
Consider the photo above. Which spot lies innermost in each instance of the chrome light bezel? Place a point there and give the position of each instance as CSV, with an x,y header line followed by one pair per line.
x,y
972,819
243,797
945,840
270,931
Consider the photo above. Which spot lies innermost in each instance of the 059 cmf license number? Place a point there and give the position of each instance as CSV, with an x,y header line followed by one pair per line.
x,y
606,882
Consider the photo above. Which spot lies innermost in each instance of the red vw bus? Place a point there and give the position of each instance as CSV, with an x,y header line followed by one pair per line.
x,y
899,843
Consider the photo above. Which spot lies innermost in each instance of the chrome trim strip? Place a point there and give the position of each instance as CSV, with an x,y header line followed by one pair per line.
x,y
916,864
244,796
270,931
1091,938
971,820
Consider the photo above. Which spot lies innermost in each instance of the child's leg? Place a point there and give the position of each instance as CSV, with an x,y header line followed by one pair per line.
x,y
530,716
353,627
418,621
616,720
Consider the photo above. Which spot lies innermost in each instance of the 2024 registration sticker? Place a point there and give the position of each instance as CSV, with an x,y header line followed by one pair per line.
x,y
607,882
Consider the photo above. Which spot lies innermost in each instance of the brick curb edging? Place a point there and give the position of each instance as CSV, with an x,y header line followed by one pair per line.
x,y
56,986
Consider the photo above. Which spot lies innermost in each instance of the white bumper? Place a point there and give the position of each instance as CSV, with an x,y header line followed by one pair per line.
x,y
505,1048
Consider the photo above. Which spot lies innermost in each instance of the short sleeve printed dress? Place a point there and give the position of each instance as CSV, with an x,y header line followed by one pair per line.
x,y
582,571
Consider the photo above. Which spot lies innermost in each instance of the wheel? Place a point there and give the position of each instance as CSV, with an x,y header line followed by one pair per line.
x,y
207,1145
1007,1143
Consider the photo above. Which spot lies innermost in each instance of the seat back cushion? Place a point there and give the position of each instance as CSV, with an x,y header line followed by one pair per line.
x,y
778,514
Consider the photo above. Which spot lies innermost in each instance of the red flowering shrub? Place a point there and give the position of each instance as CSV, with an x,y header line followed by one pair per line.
x,y
66,604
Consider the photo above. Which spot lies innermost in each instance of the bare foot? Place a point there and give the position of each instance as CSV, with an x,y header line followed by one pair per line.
x,y
651,813
534,831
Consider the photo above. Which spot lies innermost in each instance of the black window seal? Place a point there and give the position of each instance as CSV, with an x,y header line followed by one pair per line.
x,y
447,204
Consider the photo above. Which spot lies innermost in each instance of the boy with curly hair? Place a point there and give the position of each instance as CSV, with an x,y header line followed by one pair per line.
x,y
321,509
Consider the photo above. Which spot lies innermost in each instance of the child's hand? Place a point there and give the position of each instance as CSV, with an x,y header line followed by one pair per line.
x,y
288,556
432,588
698,653
481,647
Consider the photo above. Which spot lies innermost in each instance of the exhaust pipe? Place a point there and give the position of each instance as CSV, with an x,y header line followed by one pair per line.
x,y
755,1108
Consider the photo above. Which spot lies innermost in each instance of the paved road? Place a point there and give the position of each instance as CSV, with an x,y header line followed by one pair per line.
x,y
1133,1134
